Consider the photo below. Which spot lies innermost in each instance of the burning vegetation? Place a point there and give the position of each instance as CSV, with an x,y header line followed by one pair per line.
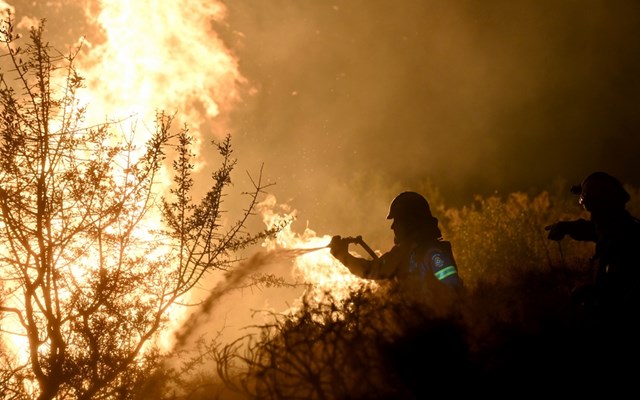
x,y
514,328
95,258
97,266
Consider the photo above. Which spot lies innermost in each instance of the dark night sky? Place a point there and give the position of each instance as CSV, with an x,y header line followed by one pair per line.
x,y
347,102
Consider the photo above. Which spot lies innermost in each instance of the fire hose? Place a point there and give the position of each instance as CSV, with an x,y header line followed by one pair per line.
x,y
347,240
358,240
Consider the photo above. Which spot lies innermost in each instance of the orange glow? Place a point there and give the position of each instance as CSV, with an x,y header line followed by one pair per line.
x,y
153,56
167,57
160,55
318,268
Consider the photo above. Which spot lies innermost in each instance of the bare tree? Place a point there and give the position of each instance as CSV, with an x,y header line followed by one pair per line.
x,y
88,274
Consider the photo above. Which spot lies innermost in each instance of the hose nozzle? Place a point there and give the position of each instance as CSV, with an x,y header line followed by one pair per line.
x,y
358,240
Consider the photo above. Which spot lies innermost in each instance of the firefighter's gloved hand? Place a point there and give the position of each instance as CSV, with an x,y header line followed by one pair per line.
x,y
557,231
339,248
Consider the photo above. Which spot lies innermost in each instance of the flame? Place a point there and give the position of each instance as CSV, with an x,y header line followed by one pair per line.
x,y
160,55
318,268
165,55
153,55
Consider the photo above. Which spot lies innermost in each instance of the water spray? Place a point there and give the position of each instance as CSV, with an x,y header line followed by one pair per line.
x,y
234,277
349,239
232,280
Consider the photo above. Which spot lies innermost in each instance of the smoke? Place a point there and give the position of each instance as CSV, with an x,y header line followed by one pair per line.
x,y
349,102
477,97
232,280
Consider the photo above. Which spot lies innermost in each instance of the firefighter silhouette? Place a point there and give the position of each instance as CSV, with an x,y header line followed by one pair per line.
x,y
614,291
420,259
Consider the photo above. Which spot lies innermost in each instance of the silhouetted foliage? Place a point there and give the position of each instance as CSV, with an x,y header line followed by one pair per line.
x,y
495,237
514,330
354,348
88,272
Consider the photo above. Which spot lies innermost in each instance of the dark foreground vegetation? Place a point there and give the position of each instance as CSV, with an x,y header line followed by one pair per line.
x,y
513,332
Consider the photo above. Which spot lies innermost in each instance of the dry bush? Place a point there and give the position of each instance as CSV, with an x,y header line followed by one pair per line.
x,y
496,237
514,326
361,347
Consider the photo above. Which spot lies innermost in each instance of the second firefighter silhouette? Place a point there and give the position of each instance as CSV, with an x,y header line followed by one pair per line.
x,y
616,233
419,256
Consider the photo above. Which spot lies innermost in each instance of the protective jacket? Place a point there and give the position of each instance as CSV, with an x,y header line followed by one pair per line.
x,y
616,258
417,262
418,265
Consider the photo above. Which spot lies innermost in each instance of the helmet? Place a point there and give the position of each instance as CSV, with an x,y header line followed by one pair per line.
x,y
409,204
600,191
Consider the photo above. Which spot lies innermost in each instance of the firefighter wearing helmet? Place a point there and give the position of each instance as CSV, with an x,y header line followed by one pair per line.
x,y
419,253
616,234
